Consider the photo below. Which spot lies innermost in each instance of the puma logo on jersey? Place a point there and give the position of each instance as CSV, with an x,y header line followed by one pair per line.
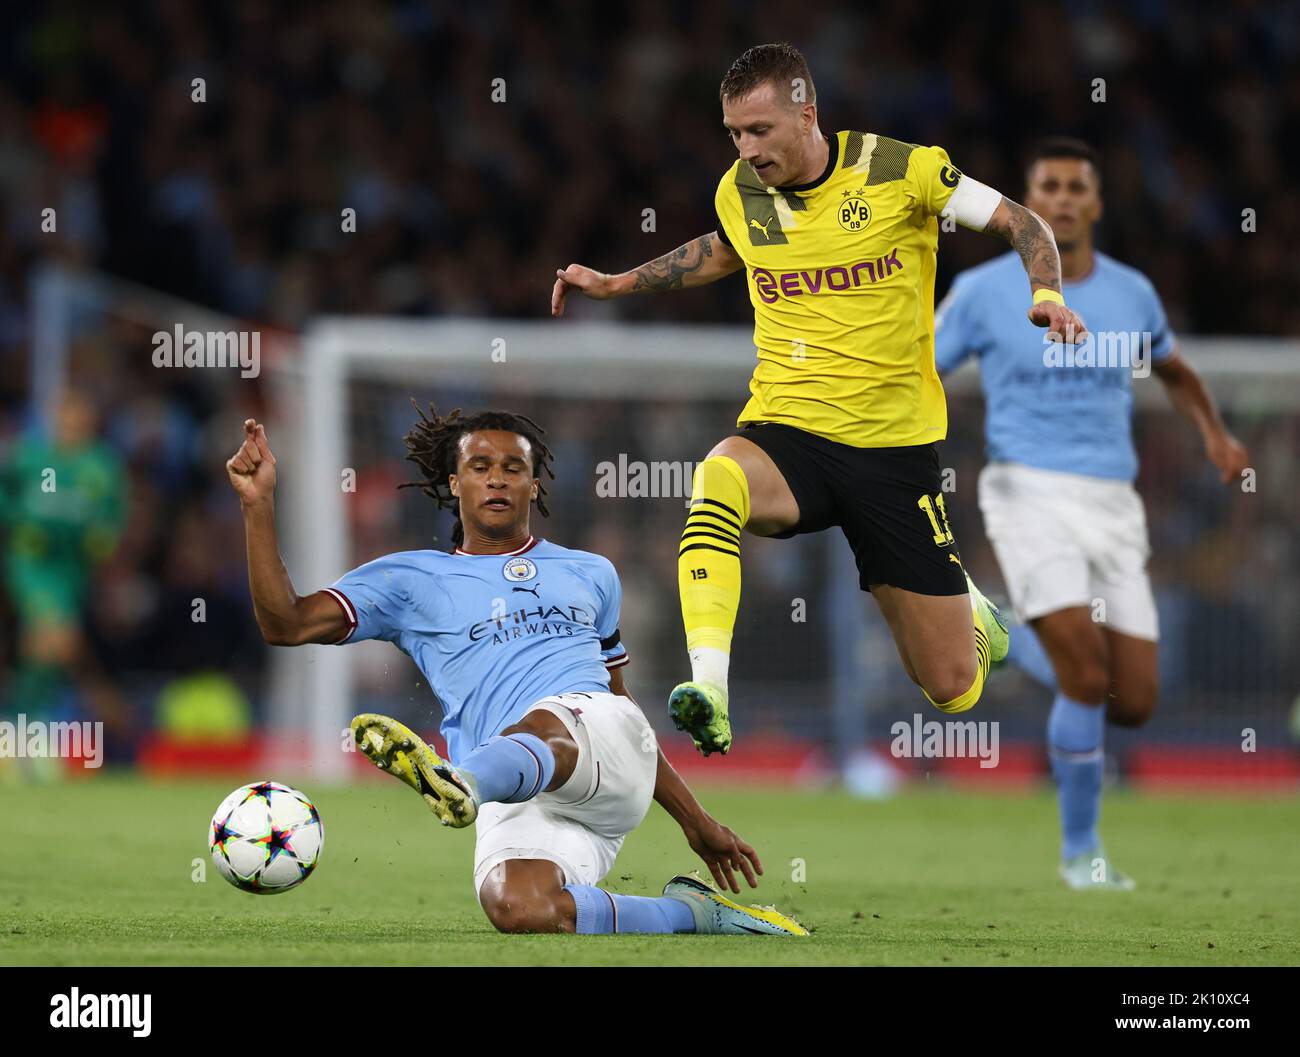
x,y
761,227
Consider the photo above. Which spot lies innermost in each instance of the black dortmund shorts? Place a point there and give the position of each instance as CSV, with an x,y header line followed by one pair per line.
x,y
888,502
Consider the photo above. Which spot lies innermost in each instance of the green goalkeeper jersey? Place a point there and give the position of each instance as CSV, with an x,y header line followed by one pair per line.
x,y
61,513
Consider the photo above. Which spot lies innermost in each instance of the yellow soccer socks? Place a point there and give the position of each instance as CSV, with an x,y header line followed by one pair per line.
x,y
968,699
708,566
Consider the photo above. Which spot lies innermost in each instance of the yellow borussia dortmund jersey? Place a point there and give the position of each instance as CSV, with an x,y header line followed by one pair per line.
x,y
841,276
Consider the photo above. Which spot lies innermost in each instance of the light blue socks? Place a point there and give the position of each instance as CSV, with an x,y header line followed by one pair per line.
x,y
1074,740
601,912
1027,653
508,768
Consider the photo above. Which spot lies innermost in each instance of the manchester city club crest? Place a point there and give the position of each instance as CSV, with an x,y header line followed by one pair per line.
x,y
516,570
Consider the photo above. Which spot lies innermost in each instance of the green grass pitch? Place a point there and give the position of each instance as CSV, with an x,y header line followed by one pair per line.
x,y
99,873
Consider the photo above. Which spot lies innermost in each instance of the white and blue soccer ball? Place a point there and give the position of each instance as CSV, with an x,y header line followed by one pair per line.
x,y
266,838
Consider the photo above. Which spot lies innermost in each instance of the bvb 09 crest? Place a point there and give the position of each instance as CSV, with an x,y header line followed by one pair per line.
x,y
855,214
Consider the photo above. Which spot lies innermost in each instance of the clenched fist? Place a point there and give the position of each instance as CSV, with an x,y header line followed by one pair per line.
x,y
252,468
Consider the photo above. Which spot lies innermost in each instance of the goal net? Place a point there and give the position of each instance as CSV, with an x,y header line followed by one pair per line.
x,y
630,409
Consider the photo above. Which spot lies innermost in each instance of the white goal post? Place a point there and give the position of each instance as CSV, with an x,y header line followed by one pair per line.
x,y
312,688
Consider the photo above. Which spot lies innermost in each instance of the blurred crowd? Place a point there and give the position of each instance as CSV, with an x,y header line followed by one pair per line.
x,y
482,146
211,151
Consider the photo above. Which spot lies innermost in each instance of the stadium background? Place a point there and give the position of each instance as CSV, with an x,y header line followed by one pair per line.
x,y
465,207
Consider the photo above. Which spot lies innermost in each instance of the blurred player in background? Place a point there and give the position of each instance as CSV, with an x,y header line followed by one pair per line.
x,y
63,503
1057,496
519,639
839,235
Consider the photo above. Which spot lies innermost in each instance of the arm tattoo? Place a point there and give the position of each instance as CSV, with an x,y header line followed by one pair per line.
x,y
669,271
1031,238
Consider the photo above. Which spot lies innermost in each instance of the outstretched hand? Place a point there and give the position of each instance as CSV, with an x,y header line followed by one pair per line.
x,y
588,281
1061,323
724,852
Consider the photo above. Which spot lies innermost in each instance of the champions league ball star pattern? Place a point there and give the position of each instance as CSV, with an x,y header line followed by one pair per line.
x,y
266,838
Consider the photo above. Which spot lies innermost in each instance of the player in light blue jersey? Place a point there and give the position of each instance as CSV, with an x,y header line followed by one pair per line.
x,y
548,756
1057,496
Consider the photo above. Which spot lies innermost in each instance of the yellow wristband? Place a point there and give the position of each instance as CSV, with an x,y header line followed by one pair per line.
x,y
1044,294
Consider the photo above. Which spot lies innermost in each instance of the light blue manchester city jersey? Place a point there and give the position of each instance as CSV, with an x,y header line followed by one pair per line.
x,y
493,633
1070,416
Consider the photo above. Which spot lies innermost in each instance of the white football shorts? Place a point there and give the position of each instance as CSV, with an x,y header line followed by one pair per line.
x,y
580,826
1067,539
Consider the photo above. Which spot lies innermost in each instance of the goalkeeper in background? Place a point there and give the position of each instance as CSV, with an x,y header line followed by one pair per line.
x,y
63,503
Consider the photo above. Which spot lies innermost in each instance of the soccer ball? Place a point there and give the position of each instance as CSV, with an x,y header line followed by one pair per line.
x,y
266,838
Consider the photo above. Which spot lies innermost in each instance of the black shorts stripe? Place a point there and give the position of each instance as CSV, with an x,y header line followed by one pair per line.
x,y
707,547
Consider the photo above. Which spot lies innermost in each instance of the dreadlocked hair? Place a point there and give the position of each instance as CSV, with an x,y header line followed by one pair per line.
x,y
433,444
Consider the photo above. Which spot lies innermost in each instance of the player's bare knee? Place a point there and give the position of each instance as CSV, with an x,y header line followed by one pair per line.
x,y
1132,707
772,506
949,681
1085,686
513,914
726,447
507,916
1078,653
1083,678
514,918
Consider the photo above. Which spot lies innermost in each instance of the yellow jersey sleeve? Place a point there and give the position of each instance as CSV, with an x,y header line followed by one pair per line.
x,y
931,179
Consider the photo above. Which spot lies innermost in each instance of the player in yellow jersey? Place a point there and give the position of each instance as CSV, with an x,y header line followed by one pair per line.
x,y
838,235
